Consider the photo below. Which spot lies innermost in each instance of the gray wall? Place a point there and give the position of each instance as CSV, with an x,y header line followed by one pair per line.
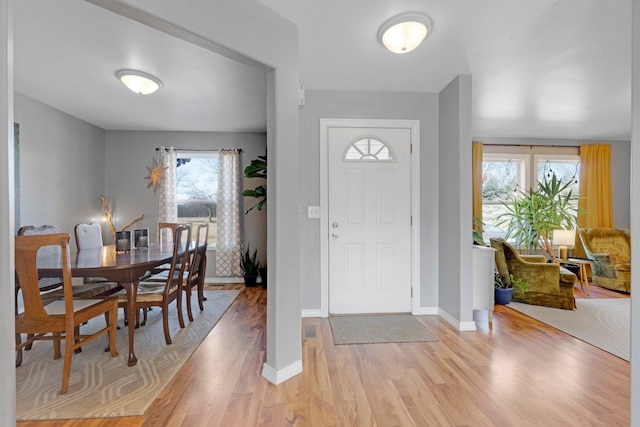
x,y
635,217
620,168
128,153
62,167
366,105
454,201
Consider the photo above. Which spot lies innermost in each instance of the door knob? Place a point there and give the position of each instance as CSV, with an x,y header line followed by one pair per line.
x,y
334,225
334,235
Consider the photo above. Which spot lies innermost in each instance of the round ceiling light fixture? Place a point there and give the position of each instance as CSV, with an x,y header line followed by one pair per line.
x,y
404,32
139,81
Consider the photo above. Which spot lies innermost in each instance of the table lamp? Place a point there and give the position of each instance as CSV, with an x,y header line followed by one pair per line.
x,y
564,239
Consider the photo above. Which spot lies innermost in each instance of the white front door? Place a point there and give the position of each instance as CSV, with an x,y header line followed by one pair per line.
x,y
369,214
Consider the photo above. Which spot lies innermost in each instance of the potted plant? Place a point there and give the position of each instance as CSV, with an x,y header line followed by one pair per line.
x,y
504,287
257,169
531,216
249,264
263,274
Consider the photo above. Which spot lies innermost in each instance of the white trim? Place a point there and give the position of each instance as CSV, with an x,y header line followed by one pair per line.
x,y
311,312
414,128
430,311
276,377
223,280
460,326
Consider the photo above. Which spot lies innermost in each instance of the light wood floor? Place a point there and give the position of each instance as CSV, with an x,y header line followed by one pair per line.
x,y
518,372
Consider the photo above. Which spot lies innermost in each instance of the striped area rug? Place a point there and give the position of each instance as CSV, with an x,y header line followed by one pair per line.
x,y
379,328
601,322
102,386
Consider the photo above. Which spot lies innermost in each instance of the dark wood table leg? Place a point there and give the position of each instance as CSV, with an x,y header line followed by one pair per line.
x,y
132,292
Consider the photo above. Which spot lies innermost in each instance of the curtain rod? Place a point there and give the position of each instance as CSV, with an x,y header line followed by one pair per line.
x,y
531,145
195,149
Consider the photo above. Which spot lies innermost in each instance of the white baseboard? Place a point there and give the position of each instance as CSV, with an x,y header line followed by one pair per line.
x,y
279,376
223,280
311,312
425,311
461,326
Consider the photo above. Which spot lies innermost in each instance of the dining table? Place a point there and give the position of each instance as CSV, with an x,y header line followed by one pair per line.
x,y
124,267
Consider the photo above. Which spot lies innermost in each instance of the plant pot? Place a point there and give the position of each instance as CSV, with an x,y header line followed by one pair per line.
x,y
503,296
263,276
250,280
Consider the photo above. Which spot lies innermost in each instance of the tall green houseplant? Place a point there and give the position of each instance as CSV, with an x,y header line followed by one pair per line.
x,y
257,169
531,216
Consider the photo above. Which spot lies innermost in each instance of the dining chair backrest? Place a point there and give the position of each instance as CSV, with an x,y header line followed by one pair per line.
x,y
166,231
46,283
88,236
181,255
27,251
200,249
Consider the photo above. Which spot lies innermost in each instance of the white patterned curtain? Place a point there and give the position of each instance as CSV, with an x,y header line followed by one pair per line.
x,y
167,199
229,211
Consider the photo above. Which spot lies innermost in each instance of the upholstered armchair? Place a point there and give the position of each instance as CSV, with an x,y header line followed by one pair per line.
x,y
610,250
547,284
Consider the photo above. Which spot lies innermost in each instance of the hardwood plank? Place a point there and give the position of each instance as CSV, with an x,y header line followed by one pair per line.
x,y
518,371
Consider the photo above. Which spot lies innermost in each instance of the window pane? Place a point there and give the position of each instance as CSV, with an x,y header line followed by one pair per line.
x,y
197,178
368,149
197,190
499,179
566,170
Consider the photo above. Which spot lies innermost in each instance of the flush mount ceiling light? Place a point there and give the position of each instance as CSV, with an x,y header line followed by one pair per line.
x,y
139,81
404,32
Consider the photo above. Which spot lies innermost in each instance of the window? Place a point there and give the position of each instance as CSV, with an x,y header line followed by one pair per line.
x,y
502,175
197,189
507,168
368,149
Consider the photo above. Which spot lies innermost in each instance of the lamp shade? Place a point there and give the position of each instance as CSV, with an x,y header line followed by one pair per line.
x,y
564,237
139,81
403,33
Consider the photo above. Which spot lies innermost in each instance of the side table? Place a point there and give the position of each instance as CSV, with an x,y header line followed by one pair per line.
x,y
584,278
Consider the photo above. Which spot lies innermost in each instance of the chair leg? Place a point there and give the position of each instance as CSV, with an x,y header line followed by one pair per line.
x,y
56,346
77,333
188,294
179,308
28,346
112,322
201,297
68,354
165,323
19,352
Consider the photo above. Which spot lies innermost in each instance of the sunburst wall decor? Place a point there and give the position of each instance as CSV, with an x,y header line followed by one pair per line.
x,y
156,175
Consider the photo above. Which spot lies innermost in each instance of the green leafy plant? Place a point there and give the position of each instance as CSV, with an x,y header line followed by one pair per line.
x,y
518,283
513,282
249,263
477,231
531,216
257,169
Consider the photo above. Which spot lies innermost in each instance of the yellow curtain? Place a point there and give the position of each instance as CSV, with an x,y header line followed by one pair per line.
x,y
476,170
595,186
595,190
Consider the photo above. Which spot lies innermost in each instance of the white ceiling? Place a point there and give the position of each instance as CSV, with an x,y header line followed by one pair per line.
x,y
543,68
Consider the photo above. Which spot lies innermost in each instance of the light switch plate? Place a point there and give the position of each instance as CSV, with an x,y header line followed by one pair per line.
x,y
313,211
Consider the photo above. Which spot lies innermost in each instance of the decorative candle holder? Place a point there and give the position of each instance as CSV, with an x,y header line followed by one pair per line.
x,y
141,238
123,241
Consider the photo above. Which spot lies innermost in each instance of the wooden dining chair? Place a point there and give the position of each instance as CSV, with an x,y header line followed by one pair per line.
x,y
89,236
57,319
51,287
197,268
154,293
